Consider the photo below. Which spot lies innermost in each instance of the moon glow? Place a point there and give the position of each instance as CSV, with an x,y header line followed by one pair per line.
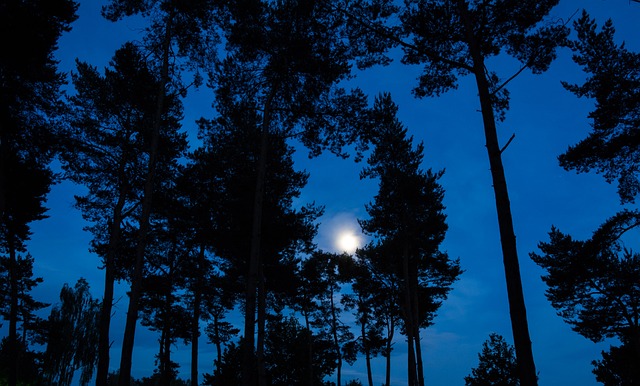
x,y
348,242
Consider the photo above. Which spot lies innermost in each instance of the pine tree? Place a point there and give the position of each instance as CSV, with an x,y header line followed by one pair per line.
x,y
594,286
613,81
407,219
29,107
452,39
497,364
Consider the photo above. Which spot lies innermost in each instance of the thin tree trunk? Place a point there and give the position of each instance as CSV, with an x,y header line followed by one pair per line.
x,y
409,319
334,327
195,332
309,349
517,308
107,299
136,279
419,357
13,313
216,326
390,332
262,308
367,350
416,325
248,366
166,376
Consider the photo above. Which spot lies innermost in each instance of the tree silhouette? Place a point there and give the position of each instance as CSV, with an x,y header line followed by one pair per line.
x,y
322,275
497,364
372,302
231,156
286,354
453,39
175,31
72,340
407,219
284,60
613,81
29,106
105,151
594,285
375,306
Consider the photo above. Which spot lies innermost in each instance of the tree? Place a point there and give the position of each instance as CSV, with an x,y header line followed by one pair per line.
x,y
18,306
172,25
231,159
29,87
497,364
613,81
407,219
105,152
284,61
322,275
453,39
72,340
373,304
594,285
618,366
29,105
286,358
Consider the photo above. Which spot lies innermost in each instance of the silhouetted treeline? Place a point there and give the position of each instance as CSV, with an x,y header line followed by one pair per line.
x,y
202,233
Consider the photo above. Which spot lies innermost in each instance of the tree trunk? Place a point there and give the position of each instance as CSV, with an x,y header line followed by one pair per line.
x,y
216,326
416,326
262,313
336,342
390,332
13,313
367,350
517,309
141,239
419,356
409,319
248,366
309,349
107,299
195,332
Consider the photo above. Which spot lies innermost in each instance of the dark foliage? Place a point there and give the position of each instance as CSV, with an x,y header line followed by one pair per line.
x,y
497,364
612,148
594,286
72,336
408,221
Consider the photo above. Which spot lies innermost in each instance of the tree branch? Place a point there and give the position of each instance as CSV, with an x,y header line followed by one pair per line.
x,y
508,142
386,34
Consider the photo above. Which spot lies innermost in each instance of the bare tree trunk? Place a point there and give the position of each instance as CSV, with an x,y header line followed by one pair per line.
x,y
416,326
216,326
136,279
195,332
419,357
262,313
409,318
334,327
367,350
13,313
248,366
309,349
107,299
517,308
390,332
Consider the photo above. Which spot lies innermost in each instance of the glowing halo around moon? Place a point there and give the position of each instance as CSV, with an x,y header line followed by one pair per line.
x,y
347,241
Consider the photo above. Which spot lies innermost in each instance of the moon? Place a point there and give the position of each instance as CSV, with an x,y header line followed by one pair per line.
x,y
348,241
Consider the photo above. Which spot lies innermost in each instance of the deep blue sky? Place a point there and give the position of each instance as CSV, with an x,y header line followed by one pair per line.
x,y
545,118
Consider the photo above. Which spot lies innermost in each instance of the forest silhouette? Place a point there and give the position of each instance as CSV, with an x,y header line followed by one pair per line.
x,y
199,232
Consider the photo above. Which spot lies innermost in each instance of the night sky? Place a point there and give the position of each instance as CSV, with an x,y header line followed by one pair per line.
x,y
545,119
